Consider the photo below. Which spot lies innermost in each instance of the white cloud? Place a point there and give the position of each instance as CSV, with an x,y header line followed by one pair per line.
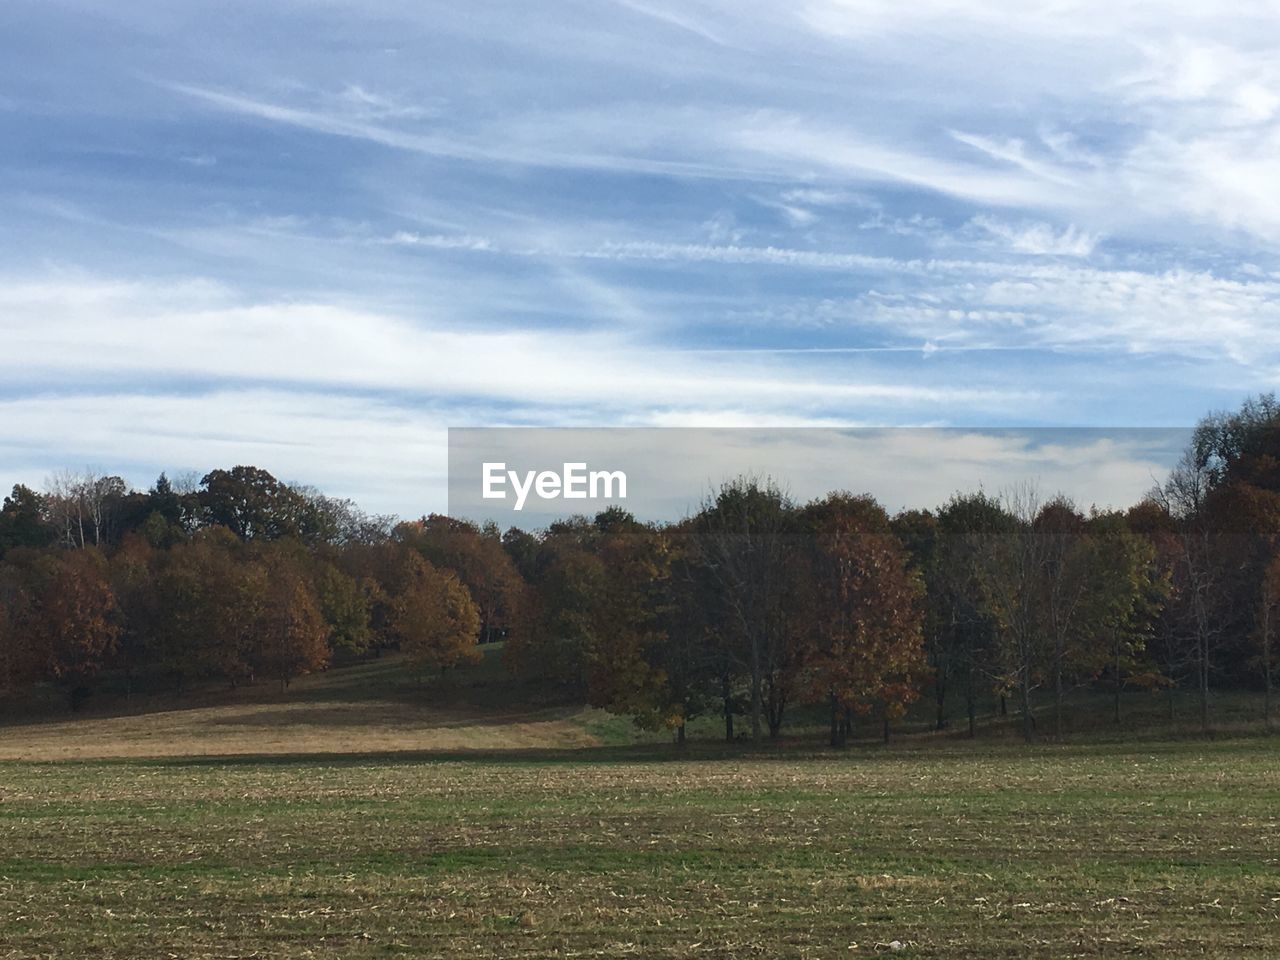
x,y
364,104
810,149
441,242
386,456
990,303
1177,313
1039,238
75,332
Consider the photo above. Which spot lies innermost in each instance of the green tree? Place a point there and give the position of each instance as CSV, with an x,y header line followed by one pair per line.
x,y
24,520
345,607
254,505
1126,591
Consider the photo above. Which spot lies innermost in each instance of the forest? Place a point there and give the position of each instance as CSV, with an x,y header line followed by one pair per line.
x,y
745,610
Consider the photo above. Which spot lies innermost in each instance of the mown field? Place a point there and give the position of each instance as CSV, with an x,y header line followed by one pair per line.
x,y
1163,850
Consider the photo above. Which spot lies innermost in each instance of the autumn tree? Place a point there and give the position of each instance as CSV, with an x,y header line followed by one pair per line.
x,y
1126,590
626,623
17,661
1267,621
964,627
210,596
1011,573
477,557
290,637
1063,590
566,582
865,610
133,578
382,572
918,532
522,548
171,515
1224,496
742,533
70,618
435,620
688,656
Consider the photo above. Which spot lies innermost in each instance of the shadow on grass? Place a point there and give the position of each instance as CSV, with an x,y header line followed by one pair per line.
x,y
782,750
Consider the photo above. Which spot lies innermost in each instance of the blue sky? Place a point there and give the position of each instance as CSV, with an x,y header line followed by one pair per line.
x,y
311,236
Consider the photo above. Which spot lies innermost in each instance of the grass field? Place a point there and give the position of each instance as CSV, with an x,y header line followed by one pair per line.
x,y
372,846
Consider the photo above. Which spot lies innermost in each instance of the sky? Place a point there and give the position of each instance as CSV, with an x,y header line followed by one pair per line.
x,y
312,236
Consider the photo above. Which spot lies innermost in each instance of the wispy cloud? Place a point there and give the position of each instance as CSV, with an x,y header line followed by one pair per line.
x,y
69,333
1039,238
675,18
572,151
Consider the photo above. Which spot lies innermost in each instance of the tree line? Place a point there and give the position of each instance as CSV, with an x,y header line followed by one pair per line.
x,y
237,578
749,608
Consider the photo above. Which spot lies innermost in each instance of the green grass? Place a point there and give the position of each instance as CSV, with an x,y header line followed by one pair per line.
x,y
953,850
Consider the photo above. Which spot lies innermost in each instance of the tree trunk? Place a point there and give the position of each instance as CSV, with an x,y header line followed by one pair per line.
x,y
726,693
1266,686
971,705
680,735
835,720
886,726
757,698
1204,684
777,706
1116,650
1024,694
1057,699
1266,663
940,698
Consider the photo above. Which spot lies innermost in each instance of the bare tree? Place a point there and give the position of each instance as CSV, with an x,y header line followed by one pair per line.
x,y
66,506
85,505
1201,568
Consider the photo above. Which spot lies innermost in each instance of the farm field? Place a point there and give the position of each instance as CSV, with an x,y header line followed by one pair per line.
x,y
343,820
1169,851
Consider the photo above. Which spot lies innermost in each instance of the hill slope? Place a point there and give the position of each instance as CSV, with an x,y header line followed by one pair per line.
x,y
370,707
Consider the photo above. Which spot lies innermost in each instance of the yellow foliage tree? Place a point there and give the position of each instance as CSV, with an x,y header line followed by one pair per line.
x,y
434,618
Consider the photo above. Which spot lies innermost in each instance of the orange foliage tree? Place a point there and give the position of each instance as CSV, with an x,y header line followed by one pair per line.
x,y
866,612
291,636
434,617
62,615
